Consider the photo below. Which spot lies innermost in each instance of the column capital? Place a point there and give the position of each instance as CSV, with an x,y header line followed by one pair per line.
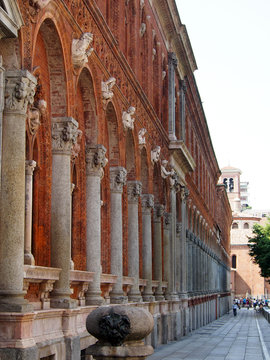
x,y
118,178
134,190
158,212
178,228
30,167
184,193
167,220
147,201
95,160
64,135
172,59
19,91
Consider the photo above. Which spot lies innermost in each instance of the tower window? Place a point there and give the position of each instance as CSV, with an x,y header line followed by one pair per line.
x,y
234,261
235,225
246,225
225,182
231,185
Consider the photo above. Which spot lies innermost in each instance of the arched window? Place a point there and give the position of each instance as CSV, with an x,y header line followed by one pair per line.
x,y
235,225
246,225
234,261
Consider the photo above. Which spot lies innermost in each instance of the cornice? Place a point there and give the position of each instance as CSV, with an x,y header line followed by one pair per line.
x,y
175,34
181,158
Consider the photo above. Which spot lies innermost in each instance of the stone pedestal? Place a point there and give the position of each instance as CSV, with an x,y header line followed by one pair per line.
x,y
29,170
120,331
147,205
117,181
134,189
64,136
19,93
158,213
95,162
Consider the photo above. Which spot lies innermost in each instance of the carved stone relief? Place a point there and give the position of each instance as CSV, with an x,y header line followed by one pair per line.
x,y
128,121
141,136
155,154
80,49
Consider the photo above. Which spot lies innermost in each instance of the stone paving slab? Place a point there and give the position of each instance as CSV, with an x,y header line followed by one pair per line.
x,y
228,338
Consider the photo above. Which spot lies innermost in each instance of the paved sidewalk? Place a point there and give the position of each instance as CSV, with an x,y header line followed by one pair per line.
x,y
245,336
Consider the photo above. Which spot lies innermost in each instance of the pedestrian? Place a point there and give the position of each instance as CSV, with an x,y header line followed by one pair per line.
x,y
235,309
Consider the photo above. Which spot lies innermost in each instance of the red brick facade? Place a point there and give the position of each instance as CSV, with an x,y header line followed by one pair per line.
x,y
145,47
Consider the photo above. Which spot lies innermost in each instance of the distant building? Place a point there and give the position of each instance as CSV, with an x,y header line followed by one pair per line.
x,y
245,275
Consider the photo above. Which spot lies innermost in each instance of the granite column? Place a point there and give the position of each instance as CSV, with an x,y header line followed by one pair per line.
x,y
29,170
19,93
64,137
147,205
95,162
134,189
117,181
158,213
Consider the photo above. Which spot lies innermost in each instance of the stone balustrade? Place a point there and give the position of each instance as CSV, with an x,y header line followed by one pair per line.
x,y
106,285
79,281
39,280
128,282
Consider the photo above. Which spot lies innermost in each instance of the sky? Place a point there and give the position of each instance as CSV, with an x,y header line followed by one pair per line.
x,y
231,43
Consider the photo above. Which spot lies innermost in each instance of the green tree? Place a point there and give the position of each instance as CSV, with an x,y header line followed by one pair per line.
x,y
259,248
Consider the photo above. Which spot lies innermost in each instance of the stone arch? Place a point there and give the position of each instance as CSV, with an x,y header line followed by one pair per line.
x,y
156,183
130,156
49,68
56,66
112,128
144,172
86,94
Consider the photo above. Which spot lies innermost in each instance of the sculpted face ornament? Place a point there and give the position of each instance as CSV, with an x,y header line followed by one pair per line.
x,y
114,328
155,154
80,51
165,173
106,88
141,136
128,121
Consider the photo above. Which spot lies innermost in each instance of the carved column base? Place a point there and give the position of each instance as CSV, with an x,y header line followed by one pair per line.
x,y
172,297
159,297
29,259
14,302
94,298
118,298
148,297
134,297
62,301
